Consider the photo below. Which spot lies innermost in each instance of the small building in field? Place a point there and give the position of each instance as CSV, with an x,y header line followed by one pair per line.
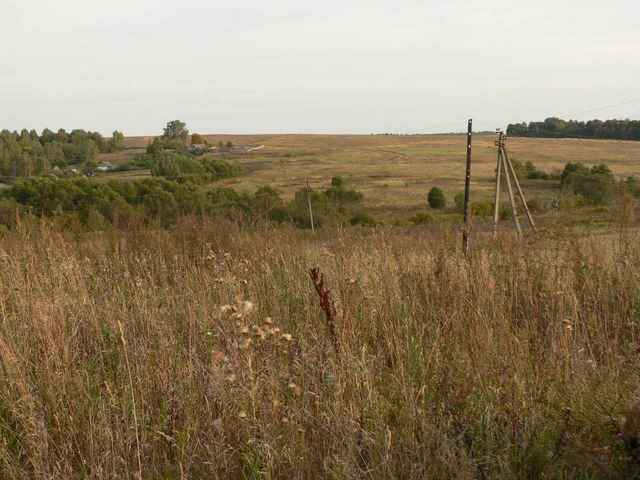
x,y
104,167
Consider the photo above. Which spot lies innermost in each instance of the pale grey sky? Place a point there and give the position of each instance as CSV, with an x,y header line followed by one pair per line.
x,y
348,66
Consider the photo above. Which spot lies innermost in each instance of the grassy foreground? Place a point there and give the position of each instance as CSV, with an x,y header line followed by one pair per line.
x,y
202,352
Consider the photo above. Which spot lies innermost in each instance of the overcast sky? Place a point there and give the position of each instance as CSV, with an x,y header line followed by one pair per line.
x,y
344,66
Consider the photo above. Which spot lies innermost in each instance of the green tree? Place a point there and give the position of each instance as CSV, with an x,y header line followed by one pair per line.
x,y
116,143
47,136
176,129
436,198
55,154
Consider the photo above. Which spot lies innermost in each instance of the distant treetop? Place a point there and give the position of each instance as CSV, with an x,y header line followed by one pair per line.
x,y
176,129
557,128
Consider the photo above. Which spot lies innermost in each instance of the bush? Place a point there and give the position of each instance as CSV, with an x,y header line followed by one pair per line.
x,y
482,209
340,194
519,168
632,185
266,199
596,189
436,198
279,214
422,218
362,219
534,174
220,168
595,186
570,169
174,165
337,182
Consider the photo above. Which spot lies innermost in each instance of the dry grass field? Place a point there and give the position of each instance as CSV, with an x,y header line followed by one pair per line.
x,y
396,172
202,352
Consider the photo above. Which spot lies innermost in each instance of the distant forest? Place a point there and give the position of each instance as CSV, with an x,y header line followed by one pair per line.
x,y
26,153
557,128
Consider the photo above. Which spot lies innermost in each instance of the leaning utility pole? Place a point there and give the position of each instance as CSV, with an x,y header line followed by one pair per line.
x,y
313,229
467,188
520,193
504,164
512,200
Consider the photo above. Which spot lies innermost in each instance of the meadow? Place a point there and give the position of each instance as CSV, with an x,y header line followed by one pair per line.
x,y
202,351
395,172
203,348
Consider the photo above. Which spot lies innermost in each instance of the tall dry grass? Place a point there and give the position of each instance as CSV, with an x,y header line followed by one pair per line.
x,y
202,352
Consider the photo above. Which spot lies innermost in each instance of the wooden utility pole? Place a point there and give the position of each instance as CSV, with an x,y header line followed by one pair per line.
x,y
496,204
520,194
512,200
505,165
467,190
313,229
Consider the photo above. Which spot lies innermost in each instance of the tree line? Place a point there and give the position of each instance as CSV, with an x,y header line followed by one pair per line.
x,y
28,153
92,204
554,127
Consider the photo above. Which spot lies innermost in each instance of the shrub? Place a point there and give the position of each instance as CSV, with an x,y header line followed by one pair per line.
x,y
596,189
279,214
482,209
505,213
266,199
534,174
596,185
436,198
632,185
422,218
340,194
519,168
572,168
220,168
362,219
337,182
174,165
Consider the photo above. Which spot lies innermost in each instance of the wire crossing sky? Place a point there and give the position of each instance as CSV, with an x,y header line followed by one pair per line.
x,y
294,66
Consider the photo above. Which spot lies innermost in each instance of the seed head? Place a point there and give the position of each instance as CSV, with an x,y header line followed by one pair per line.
x,y
247,307
227,308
